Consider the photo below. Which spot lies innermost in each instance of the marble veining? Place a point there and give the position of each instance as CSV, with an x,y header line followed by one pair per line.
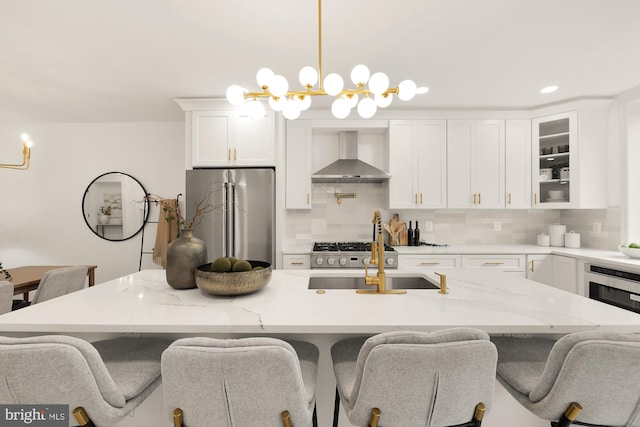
x,y
496,302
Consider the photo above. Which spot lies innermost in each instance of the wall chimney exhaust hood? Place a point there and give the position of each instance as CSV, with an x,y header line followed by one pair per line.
x,y
348,169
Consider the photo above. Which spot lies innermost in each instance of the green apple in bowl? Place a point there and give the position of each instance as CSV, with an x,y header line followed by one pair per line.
x,y
632,250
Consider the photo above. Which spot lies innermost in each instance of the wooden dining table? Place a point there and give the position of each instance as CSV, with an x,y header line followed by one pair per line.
x,y
26,279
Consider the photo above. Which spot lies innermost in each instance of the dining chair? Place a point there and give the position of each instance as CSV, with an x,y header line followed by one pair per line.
x,y
240,382
102,382
406,378
6,296
55,283
586,378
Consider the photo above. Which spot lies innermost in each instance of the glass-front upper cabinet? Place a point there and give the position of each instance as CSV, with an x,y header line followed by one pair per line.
x,y
554,158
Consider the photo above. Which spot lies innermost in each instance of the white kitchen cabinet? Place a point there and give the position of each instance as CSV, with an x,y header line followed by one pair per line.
x,y
230,138
565,273
505,263
298,164
417,163
569,160
540,268
431,262
475,164
296,262
518,164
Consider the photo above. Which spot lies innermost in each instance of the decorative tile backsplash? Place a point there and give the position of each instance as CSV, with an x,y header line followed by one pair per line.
x,y
351,220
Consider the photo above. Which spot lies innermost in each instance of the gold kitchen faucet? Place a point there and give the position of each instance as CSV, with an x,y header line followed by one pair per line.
x,y
377,257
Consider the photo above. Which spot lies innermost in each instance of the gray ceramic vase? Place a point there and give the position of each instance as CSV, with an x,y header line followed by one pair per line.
x,y
184,255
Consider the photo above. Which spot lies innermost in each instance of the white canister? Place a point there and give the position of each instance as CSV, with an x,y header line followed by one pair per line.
x,y
572,240
543,240
556,234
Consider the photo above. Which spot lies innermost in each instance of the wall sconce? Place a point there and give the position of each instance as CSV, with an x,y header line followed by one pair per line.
x,y
26,155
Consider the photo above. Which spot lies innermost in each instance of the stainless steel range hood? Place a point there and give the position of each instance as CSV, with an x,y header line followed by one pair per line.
x,y
348,169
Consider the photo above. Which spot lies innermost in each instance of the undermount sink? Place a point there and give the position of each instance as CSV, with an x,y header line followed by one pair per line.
x,y
358,283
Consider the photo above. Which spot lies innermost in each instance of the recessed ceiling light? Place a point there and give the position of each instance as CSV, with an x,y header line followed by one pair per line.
x,y
549,89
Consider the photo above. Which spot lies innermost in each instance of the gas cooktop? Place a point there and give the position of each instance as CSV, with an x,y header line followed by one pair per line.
x,y
346,247
348,255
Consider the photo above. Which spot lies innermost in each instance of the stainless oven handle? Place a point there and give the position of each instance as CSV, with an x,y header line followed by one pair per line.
x,y
634,297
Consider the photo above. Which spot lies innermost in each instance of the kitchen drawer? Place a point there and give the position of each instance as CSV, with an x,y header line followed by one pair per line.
x,y
296,262
428,261
494,262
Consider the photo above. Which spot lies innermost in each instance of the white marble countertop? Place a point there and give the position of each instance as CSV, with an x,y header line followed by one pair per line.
x,y
495,302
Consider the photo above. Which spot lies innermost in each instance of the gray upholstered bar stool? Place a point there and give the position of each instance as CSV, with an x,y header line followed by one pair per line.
x,y
443,378
258,381
55,283
102,382
6,296
589,377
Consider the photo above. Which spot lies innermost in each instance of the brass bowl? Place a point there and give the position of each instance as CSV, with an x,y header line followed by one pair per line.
x,y
239,283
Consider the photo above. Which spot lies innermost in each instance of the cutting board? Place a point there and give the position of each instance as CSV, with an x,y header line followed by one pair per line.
x,y
398,233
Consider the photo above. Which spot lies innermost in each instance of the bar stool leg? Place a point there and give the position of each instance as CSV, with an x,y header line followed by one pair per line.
x,y
478,414
336,409
569,415
82,417
177,417
286,419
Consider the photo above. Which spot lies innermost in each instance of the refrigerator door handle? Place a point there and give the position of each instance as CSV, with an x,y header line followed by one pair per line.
x,y
230,240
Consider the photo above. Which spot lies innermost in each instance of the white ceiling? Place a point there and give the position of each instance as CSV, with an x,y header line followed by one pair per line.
x,y
127,60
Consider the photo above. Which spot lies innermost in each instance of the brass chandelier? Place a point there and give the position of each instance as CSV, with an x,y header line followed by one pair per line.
x,y
26,155
371,91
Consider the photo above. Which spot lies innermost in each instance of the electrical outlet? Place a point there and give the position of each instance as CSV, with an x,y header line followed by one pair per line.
x,y
497,226
428,226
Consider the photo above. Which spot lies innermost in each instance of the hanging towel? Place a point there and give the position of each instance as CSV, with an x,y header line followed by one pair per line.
x,y
166,232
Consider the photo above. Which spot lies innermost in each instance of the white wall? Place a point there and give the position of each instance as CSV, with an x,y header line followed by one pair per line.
x,y
41,220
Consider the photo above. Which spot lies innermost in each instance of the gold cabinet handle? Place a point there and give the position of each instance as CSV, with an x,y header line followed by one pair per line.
x,y
420,198
228,153
429,263
509,198
235,154
493,263
535,198
416,198
474,198
479,198
307,198
532,266
297,263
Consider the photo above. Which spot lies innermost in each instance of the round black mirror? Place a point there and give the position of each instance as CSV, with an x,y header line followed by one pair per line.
x,y
115,206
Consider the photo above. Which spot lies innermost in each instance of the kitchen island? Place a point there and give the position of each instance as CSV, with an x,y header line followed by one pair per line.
x,y
143,303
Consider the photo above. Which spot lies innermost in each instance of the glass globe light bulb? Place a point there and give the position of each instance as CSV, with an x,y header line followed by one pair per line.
x,y
255,109
264,76
360,74
290,110
276,105
340,108
278,86
24,137
383,101
378,83
304,103
333,84
367,108
352,101
407,90
422,90
235,95
308,76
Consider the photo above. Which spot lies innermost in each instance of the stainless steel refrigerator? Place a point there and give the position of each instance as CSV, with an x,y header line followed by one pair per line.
x,y
243,221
